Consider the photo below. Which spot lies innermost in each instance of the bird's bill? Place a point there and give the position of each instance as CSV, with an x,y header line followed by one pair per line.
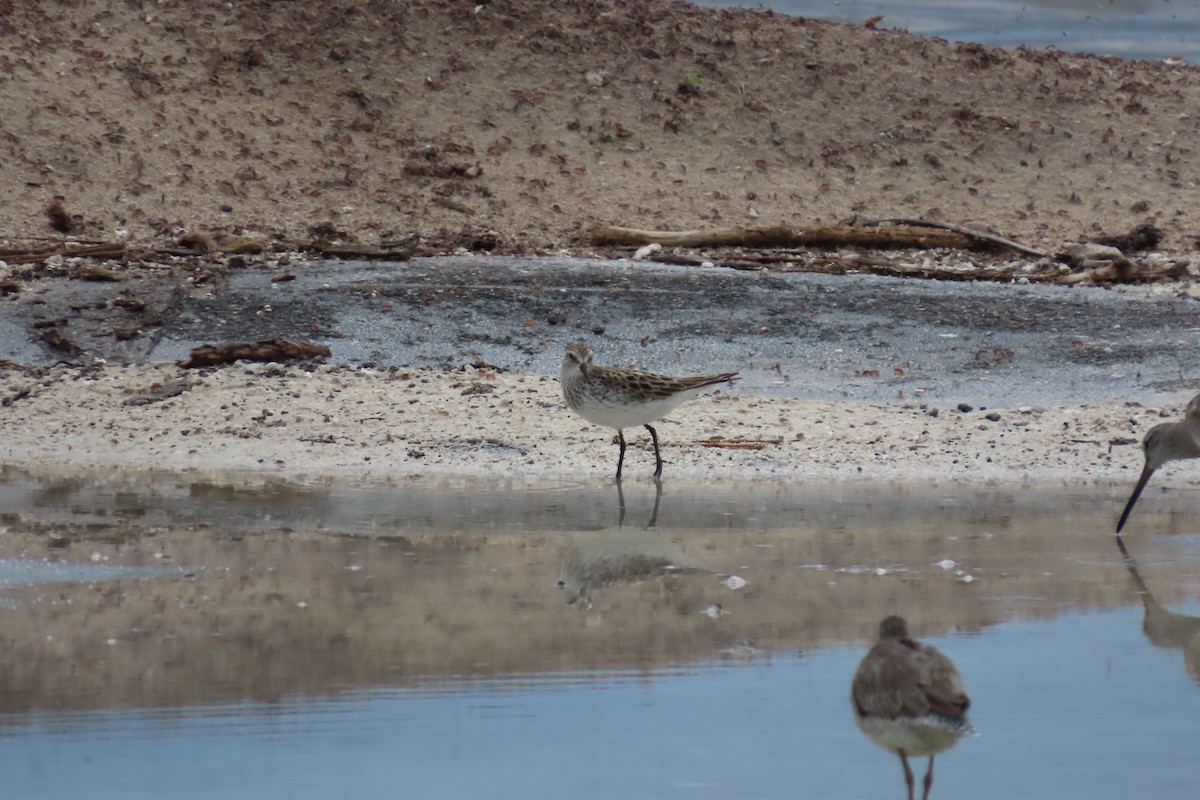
x,y
1147,471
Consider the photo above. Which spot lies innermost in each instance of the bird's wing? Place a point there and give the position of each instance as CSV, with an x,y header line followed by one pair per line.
x,y
941,684
888,683
659,387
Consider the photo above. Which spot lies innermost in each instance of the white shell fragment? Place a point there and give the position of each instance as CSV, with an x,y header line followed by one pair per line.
x,y
647,251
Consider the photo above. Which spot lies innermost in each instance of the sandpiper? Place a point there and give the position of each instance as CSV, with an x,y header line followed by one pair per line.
x,y
621,398
909,699
1170,441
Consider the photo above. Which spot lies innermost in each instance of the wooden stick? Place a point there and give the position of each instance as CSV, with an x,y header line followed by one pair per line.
x,y
783,236
109,250
737,443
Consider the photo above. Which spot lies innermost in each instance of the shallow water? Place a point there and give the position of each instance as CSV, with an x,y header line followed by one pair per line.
x,y
1078,708
1144,29
326,641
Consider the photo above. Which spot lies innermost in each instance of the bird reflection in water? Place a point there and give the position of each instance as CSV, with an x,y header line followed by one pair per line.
x,y
621,555
909,699
621,504
1163,628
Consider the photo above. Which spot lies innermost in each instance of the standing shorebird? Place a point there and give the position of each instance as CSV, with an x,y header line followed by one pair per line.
x,y
1170,441
909,699
621,398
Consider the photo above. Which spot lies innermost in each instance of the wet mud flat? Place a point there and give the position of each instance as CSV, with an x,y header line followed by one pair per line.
x,y
822,336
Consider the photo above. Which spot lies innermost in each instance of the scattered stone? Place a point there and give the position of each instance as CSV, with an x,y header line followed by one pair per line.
x,y
56,339
479,388
159,391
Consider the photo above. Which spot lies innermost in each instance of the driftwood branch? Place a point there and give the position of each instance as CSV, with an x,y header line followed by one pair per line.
x,y
109,250
1090,271
783,236
1089,262
989,239
869,264
277,350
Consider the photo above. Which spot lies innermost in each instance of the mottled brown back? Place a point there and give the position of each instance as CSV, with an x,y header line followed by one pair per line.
x,y
903,678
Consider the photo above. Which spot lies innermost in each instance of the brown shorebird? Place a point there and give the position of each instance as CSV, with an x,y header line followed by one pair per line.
x,y
1170,441
909,699
622,398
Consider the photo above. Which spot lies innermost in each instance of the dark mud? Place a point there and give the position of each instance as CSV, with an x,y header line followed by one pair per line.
x,y
823,336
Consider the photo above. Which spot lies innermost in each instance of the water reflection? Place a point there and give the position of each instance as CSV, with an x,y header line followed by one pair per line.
x,y
607,557
1163,628
658,489
620,555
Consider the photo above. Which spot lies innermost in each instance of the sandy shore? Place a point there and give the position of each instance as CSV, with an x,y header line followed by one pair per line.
x,y
365,425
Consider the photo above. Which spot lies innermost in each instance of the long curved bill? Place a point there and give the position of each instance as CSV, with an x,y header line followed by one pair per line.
x,y
1147,471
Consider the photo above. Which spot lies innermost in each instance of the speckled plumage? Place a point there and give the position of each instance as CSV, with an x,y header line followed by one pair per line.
x,y
1170,441
909,699
620,398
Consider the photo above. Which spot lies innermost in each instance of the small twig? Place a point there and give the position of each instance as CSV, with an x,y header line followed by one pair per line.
x,y
737,443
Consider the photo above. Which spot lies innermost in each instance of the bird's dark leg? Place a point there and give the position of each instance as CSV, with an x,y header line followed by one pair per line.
x,y
928,779
908,776
657,455
621,457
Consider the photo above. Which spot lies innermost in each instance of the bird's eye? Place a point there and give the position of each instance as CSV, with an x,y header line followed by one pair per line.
x,y
562,584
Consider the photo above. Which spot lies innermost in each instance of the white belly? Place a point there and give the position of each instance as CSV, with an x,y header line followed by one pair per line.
x,y
924,736
630,415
